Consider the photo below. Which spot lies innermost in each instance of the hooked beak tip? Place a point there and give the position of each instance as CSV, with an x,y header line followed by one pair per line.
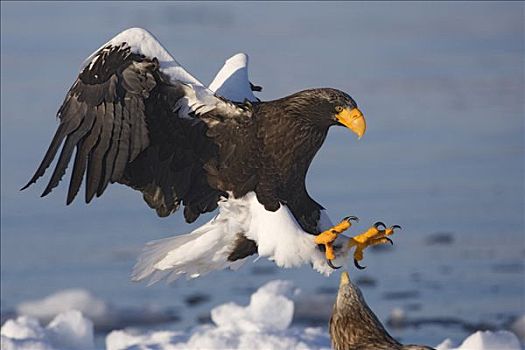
x,y
345,278
354,120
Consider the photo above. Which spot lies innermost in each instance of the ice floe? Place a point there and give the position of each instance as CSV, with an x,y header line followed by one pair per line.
x,y
105,316
264,323
67,331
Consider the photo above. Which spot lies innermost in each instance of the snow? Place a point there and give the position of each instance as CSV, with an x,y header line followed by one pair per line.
x,y
214,338
265,323
485,340
68,299
68,331
102,314
23,327
71,330
270,309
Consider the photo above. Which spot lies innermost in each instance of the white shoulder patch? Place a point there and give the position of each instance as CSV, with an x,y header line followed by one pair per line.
x,y
232,80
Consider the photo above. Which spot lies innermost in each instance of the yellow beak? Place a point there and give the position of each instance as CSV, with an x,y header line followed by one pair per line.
x,y
345,279
353,119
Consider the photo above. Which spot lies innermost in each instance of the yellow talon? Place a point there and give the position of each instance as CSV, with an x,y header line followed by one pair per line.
x,y
328,237
373,236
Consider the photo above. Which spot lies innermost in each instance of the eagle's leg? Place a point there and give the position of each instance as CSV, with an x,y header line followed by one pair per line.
x,y
328,237
373,236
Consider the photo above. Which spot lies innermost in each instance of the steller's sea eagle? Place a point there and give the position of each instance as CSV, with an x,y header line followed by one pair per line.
x,y
354,326
136,117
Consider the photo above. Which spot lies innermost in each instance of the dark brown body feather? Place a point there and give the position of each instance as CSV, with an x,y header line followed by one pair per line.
x,y
270,155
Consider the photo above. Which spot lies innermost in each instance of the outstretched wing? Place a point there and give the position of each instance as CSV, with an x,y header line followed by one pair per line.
x,y
136,117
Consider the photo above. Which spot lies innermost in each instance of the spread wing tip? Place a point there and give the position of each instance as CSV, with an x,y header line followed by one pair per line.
x,y
38,174
32,181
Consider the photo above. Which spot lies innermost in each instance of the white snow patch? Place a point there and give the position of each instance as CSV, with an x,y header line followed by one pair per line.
x,y
270,309
68,331
67,299
485,340
262,324
103,314
23,327
71,330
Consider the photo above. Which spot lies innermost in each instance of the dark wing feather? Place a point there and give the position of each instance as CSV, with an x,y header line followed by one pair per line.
x,y
96,157
121,116
113,148
67,150
84,118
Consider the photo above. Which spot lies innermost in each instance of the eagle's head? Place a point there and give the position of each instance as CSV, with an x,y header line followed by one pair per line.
x,y
327,107
354,325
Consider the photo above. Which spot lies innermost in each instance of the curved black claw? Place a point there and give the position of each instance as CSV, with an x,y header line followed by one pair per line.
x,y
329,262
379,223
388,239
351,217
356,263
396,226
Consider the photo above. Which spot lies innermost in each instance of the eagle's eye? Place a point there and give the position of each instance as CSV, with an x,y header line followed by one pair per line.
x,y
338,109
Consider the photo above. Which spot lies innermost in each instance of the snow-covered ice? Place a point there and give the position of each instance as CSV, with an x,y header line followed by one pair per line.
x,y
217,338
265,323
103,315
485,340
69,299
68,331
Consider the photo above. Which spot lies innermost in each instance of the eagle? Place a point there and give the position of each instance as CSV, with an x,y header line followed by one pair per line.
x,y
135,116
354,326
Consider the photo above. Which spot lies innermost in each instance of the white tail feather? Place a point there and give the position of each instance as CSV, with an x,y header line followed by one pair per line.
x,y
191,255
194,254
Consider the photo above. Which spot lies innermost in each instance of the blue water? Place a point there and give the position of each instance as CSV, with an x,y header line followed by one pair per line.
x,y
442,87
